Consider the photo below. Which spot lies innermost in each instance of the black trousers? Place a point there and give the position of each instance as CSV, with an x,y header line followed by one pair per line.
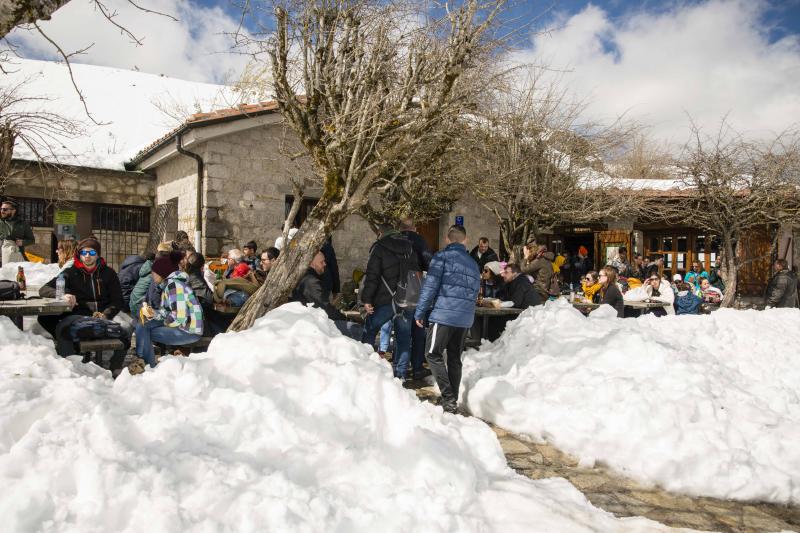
x,y
447,373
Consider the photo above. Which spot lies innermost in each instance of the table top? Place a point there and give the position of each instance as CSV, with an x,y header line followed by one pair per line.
x,y
497,311
33,306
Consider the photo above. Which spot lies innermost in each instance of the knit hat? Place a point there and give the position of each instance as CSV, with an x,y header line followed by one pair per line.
x,y
582,250
240,270
164,266
89,242
494,266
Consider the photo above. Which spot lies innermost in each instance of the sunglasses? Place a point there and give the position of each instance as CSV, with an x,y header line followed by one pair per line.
x,y
6,209
89,252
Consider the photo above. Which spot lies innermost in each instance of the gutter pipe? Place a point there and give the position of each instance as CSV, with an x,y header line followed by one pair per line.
x,y
198,224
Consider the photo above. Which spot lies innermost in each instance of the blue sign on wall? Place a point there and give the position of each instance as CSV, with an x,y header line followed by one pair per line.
x,y
459,220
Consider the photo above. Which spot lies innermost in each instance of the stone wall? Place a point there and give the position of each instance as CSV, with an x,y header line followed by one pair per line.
x,y
478,221
177,179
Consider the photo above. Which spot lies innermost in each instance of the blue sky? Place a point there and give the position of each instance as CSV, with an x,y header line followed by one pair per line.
x,y
654,61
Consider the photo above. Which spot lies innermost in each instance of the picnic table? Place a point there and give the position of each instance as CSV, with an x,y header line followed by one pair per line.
x,y
32,305
486,312
641,306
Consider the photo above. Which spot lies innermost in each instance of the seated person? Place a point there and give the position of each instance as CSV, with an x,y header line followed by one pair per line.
x,y
491,280
309,291
92,289
268,256
178,320
710,294
235,257
518,289
686,301
694,275
590,286
238,288
660,290
145,289
250,256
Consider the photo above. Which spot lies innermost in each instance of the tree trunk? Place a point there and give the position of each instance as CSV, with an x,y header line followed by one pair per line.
x,y
290,267
729,270
16,12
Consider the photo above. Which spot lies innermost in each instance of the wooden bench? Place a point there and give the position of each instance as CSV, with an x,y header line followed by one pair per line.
x,y
92,349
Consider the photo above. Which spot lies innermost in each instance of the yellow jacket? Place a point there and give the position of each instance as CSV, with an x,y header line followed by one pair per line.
x,y
590,290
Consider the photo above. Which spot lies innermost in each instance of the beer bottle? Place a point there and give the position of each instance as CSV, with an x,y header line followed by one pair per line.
x,y
21,279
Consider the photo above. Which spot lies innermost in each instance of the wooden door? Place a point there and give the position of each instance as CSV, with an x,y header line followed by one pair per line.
x,y
606,244
430,232
755,253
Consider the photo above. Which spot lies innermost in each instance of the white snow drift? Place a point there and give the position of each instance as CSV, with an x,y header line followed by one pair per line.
x,y
286,427
704,405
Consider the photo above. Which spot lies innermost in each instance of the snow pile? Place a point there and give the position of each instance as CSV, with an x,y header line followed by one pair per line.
x,y
36,274
704,405
286,427
132,109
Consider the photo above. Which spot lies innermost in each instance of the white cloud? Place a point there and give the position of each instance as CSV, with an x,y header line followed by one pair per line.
x,y
704,60
194,48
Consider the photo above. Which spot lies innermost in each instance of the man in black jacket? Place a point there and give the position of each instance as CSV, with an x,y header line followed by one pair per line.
x,y
418,334
782,288
390,260
92,289
310,291
518,288
482,254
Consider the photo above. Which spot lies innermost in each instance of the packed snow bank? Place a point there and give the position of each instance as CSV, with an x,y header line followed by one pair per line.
x,y
286,427
704,405
36,274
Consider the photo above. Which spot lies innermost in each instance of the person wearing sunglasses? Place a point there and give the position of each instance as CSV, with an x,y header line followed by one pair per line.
x,y
15,234
92,288
660,290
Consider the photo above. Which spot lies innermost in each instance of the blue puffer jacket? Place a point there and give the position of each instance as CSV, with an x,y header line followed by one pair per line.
x,y
686,303
451,288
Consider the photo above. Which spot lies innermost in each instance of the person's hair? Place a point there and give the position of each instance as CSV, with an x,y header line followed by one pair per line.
x,y
194,263
593,274
611,274
484,239
272,253
457,233
513,267
181,235
683,286
236,254
10,202
622,250
532,247
782,263
407,224
185,247
252,245
68,247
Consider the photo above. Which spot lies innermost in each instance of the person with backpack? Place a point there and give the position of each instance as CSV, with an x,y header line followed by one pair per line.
x,y
92,288
450,292
391,259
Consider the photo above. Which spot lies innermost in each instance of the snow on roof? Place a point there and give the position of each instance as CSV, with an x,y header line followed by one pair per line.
x,y
125,102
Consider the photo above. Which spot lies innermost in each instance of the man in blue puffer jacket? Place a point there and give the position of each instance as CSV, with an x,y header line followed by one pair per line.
x,y
451,290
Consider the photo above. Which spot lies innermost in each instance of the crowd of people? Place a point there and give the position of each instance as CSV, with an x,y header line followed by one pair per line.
x,y
424,301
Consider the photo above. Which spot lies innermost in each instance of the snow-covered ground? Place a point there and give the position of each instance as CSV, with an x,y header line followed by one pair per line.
x,y
285,427
704,405
36,274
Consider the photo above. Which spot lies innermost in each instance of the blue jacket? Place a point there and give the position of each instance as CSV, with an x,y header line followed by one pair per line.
x,y
450,288
687,304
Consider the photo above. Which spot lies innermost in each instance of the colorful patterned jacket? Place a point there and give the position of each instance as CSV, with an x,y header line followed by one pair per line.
x,y
179,305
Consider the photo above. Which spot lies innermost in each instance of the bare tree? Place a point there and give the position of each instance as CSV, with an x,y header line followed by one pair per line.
x,y
732,186
534,166
39,133
366,85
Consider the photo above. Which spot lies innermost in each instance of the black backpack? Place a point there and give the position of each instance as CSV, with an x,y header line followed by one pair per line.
x,y
91,328
9,290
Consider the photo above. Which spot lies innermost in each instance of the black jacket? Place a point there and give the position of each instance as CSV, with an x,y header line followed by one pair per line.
x,y
391,256
129,275
782,290
100,286
420,247
521,292
309,291
488,256
613,297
